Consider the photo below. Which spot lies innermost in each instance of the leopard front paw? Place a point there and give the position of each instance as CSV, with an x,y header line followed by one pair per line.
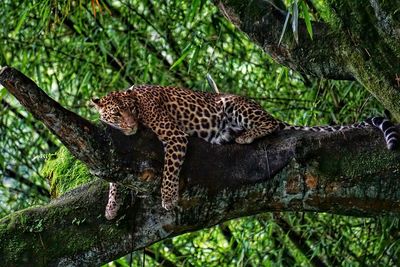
x,y
244,140
147,175
169,203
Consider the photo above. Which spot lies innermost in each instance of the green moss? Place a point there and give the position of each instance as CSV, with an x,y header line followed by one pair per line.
x,y
65,173
21,249
356,164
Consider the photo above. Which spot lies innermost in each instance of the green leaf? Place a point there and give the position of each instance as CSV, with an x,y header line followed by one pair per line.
x,y
20,22
193,58
3,92
278,79
185,53
86,78
45,12
193,10
307,19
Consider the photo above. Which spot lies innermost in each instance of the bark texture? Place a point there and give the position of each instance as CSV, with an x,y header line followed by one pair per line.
x,y
345,173
359,40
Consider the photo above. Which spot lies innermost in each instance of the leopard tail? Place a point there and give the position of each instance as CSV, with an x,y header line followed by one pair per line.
x,y
389,131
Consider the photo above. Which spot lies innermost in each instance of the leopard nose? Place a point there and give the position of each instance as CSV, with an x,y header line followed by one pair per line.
x,y
131,124
130,130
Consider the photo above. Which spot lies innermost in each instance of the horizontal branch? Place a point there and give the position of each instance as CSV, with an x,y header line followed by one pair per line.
x,y
263,22
350,172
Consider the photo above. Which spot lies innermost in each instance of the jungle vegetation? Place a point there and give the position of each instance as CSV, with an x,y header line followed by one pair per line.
x,y
316,69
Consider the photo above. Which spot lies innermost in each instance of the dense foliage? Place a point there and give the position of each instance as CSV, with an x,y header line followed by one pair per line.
x,y
79,49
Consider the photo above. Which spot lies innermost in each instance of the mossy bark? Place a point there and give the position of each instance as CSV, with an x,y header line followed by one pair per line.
x,y
358,40
350,172
370,33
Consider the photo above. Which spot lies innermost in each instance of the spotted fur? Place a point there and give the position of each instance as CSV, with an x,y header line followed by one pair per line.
x,y
113,204
176,113
386,126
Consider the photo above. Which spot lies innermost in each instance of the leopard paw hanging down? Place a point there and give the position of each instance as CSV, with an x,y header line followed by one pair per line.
x,y
176,113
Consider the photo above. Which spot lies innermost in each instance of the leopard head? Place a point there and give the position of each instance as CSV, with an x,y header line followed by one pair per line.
x,y
118,110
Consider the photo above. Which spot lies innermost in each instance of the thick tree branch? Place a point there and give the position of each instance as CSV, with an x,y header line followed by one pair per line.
x,y
346,173
359,42
263,23
373,49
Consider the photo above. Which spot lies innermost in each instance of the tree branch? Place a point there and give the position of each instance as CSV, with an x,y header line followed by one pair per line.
x,y
263,23
79,135
358,45
34,125
345,173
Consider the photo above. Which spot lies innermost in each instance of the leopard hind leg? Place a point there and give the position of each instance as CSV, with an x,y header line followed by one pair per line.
x,y
113,204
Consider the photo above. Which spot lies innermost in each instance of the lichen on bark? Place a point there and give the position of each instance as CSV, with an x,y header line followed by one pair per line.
x,y
369,51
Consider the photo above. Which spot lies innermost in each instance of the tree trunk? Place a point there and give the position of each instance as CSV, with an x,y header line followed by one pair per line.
x,y
350,172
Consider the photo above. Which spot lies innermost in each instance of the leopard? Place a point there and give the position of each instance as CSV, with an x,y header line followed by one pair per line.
x,y
175,113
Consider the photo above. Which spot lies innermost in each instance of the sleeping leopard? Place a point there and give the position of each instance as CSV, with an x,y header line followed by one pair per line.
x,y
174,113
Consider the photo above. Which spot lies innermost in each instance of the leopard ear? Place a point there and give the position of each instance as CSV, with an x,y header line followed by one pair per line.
x,y
95,102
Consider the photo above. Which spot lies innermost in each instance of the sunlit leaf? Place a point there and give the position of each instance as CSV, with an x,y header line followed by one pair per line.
x,y
21,21
3,92
185,53
45,10
194,58
307,19
194,8
278,79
